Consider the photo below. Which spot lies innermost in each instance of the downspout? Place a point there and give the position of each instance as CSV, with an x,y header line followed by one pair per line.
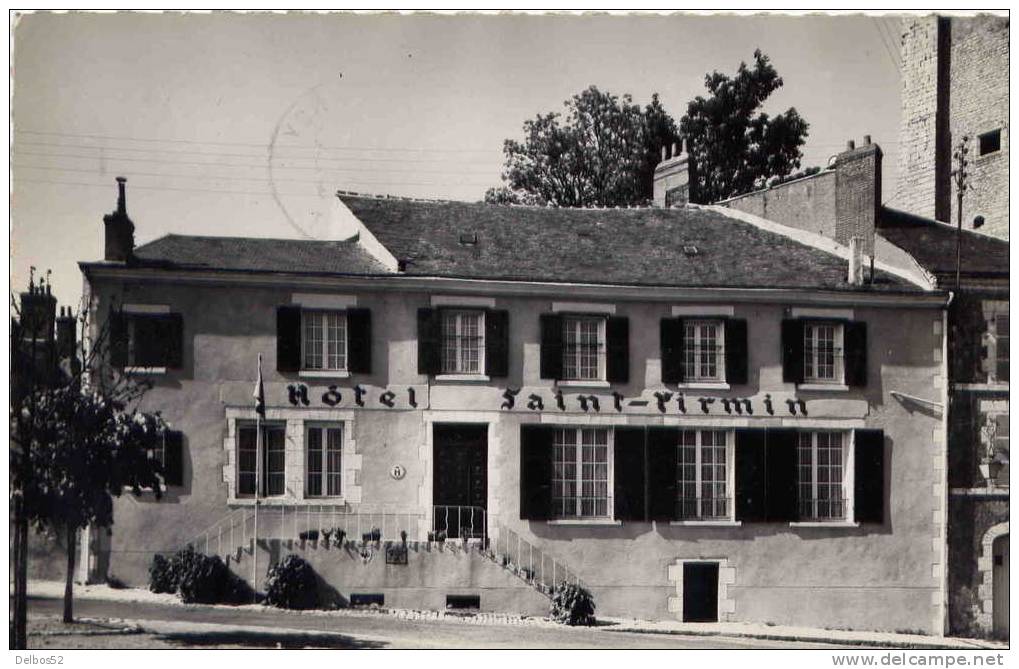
x,y
942,611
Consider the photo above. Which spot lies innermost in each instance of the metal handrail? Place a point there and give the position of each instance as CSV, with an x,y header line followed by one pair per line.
x,y
538,568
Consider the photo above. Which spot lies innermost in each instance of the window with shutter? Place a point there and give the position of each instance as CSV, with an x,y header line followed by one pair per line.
x,y
629,474
536,472
359,341
821,466
661,474
323,340
823,357
584,348
497,343
462,345
143,341
751,482
703,350
428,341
581,475
703,474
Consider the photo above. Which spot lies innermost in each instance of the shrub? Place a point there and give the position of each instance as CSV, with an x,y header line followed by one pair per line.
x,y
291,584
206,581
161,576
572,604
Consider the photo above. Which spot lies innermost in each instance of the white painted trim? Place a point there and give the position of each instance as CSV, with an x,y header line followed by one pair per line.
x,y
834,523
583,308
703,310
583,521
571,383
706,523
324,374
825,423
462,301
463,378
150,371
814,312
823,387
323,301
703,385
145,308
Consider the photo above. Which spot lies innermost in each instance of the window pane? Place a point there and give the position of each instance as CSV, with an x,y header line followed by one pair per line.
x,y
148,340
580,491
246,459
336,340
312,340
334,461
275,461
314,471
582,348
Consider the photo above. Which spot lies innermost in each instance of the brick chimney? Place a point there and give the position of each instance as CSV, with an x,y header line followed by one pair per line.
x,y
672,177
858,194
38,312
119,239
67,337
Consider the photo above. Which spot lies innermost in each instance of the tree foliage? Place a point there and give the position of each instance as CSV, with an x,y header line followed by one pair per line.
x,y
601,152
734,147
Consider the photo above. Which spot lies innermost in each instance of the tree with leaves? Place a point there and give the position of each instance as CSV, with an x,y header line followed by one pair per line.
x,y
734,147
602,152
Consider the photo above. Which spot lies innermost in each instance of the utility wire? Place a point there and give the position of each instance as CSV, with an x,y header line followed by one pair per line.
x,y
223,191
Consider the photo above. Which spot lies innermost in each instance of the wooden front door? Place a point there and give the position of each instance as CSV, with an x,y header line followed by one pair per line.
x,y
700,592
460,484
999,577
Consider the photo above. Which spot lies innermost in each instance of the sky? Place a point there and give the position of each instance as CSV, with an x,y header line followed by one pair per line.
x,y
247,124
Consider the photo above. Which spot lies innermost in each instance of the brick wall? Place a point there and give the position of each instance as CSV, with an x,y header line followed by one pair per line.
x,y
807,204
979,104
857,195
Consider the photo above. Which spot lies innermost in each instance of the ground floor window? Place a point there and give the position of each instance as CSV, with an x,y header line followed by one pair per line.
x,y
703,474
323,472
821,466
580,483
273,465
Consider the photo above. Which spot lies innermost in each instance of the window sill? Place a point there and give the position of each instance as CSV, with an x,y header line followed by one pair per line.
x,y
151,371
824,387
576,383
162,488
825,523
704,385
585,521
706,523
324,374
476,378
286,501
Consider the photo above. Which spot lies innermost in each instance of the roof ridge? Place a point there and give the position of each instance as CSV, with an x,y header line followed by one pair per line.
x,y
406,198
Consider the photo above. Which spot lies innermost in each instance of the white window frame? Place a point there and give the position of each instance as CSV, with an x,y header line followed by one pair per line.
x,y
699,326
578,479
992,310
324,344
459,368
810,339
271,425
698,449
324,474
847,483
574,321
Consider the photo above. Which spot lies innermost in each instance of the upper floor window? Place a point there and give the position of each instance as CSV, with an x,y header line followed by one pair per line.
x,y
822,352
580,475
821,465
324,464
463,342
584,348
324,340
996,362
704,346
146,337
990,142
703,465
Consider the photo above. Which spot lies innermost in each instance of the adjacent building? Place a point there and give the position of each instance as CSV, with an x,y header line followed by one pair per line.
x,y
696,412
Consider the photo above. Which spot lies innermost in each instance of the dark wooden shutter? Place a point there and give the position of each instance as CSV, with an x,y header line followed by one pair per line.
x,y
672,343
288,339
782,501
428,341
617,334
551,346
628,490
359,340
869,476
854,339
173,458
792,351
751,475
536,472
174,333
118,339
736,352
663,444
497,343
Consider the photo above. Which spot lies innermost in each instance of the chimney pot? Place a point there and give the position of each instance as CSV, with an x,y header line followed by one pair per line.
x,y
850,145
674,152
866,140
121,195
665,151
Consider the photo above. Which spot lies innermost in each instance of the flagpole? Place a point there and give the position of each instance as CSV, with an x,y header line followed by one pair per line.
x,y
259,410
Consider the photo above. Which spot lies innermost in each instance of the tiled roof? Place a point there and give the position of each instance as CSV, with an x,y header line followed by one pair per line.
x,y
933,244
686,246
257,255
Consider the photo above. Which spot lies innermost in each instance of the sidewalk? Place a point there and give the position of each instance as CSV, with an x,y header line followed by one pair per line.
x,y
55,590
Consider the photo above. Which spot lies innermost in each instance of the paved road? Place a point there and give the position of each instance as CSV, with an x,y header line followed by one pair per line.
x,y
377,632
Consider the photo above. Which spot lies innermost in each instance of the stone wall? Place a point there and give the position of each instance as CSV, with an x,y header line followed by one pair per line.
x,y
806,204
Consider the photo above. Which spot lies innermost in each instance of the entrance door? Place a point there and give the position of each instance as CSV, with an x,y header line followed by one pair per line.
x,y
700,592
1000,585
460,484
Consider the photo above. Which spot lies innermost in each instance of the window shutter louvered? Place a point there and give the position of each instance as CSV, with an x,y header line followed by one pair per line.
x,y
672,343
173,458
751,475
854,336
359,341
782,500
174,329
551,346
663,444
869,476
428,341
736,352
118,339
629,473
536,472
288,339
497,343
617,334
792,351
